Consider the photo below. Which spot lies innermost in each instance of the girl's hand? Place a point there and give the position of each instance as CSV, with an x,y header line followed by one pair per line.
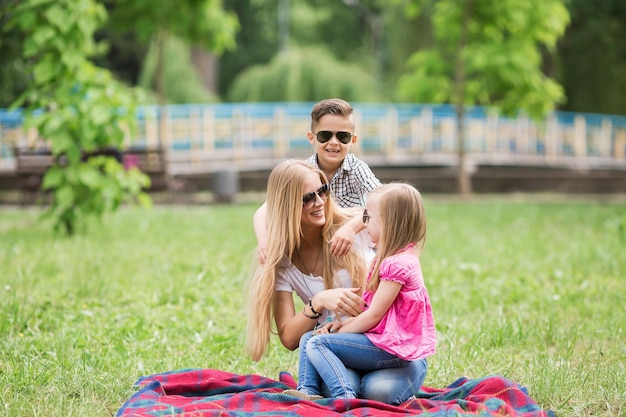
x,y
342,301
332,327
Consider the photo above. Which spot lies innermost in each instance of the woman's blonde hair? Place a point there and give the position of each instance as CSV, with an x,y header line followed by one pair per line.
x,y
402,220
285,188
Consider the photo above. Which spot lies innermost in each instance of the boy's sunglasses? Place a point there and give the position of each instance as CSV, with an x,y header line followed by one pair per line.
x,y
324,136
309,198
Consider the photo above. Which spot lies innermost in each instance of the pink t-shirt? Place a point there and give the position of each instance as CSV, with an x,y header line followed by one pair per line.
x,y
407,330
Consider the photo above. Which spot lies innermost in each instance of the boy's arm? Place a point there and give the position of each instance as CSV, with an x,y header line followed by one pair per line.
x,y
342,240
259,222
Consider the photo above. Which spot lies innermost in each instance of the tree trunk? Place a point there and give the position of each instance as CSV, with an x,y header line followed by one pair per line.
x,y
206,64
463,176
160,84
463,180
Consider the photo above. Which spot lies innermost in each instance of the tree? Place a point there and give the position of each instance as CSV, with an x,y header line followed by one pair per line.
x,y
299,28
255,45
182,81
79,108
592,57
204,22
13,73
303,74
486,52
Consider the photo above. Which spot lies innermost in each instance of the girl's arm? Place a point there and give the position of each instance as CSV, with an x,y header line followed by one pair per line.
x,y
383,298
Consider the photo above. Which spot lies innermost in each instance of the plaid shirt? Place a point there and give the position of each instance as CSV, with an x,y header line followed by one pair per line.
x,y
352,181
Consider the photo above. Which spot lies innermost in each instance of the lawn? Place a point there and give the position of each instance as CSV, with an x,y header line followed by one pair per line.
x,y
531,289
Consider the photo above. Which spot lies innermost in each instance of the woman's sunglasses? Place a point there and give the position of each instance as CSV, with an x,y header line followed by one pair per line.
x,y
309,198
324,136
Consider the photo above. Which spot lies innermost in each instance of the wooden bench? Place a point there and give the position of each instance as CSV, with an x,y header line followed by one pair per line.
x,y
150,161
32,164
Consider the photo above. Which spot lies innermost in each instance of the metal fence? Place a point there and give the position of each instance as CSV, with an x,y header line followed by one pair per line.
x,y
249,136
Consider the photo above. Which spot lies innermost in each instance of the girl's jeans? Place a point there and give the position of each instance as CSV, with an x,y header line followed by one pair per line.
x,y
349,366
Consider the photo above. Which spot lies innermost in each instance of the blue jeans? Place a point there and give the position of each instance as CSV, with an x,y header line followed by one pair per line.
x,y
356,368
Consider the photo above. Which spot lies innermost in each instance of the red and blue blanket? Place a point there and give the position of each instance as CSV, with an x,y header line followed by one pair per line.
x,y
210,392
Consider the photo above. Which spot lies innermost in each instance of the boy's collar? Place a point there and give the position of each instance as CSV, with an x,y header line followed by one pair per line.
x,y
346,164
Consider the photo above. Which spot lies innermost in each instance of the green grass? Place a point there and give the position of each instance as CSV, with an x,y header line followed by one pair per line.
x,y
532,290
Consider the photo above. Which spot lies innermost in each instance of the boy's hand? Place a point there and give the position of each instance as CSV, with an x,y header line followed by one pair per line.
x,y
259,222
341,242
261,254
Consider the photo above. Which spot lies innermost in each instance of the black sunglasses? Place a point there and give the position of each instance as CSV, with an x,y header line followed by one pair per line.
x,y
324,136
309,198
366,217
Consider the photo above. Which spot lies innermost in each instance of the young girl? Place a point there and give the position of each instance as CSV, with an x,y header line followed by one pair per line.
x,y
398,326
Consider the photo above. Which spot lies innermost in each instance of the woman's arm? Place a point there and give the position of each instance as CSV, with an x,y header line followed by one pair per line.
x,y
289,324
383,299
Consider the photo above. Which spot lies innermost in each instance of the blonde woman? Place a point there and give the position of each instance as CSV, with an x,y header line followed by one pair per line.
x,y
301,221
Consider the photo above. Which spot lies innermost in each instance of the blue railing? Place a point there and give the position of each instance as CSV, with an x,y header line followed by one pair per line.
x,y
203,138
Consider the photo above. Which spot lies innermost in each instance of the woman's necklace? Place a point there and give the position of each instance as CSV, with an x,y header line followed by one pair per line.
x,y
314,265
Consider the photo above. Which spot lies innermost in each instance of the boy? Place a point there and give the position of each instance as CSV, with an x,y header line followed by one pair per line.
x,y
332,136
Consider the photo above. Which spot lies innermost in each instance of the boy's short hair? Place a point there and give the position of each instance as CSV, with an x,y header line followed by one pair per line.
x,y
334,106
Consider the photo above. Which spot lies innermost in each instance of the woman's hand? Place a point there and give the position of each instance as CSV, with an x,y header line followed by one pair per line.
x,y
342,301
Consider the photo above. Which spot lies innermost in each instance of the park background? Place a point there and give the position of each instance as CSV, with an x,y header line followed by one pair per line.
x,y
364,43
201,77
529,286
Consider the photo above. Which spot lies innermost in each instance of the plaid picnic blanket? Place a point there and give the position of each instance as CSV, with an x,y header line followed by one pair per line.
x,y
210,392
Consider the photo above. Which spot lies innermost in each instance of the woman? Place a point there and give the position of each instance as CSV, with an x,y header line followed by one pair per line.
x,y
301,220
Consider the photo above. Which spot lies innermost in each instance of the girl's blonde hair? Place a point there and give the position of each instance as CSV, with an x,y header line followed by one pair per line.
x,y
402,220
285,188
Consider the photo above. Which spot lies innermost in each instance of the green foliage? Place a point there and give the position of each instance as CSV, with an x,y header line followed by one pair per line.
x,y
488,53
182,83
255,45
592,57
79,108
304,74
526,287
204,22
345,30
95,187
13,72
